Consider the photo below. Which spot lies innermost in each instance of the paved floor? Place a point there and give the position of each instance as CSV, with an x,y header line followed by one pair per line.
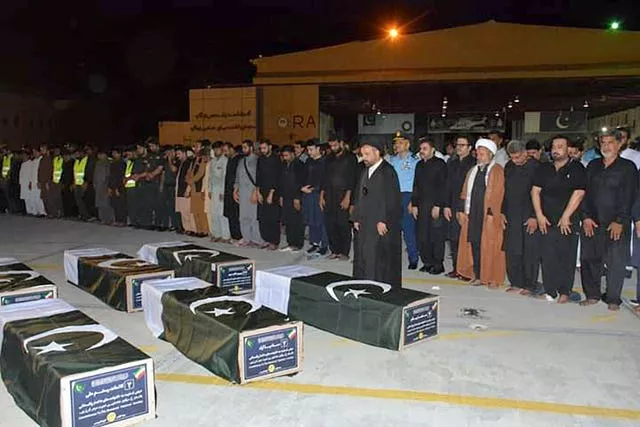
x,y
537,364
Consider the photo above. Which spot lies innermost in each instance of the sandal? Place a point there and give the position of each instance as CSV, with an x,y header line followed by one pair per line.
x,y
512,289
588,302
493,286
525,292
475,282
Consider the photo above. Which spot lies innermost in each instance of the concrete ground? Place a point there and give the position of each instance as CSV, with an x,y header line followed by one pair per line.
x,y
537,364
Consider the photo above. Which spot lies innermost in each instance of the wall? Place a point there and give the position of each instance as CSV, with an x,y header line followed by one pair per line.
x,y
25,120
227,114
289,113
171,133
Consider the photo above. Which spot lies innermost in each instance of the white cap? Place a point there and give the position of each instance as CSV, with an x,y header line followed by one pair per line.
x,y
488,144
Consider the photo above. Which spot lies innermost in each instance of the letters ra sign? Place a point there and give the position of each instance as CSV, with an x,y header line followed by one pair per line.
x,y
297,121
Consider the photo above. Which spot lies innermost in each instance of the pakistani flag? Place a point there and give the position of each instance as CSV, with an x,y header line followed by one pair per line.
x,y
229,272
19,283
114,278
363,310
231,335
64,369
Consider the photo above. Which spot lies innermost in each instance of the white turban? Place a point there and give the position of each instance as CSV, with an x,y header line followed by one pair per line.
x,y
488,144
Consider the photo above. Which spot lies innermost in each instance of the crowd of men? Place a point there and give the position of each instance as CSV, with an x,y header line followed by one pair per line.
x,y
507,210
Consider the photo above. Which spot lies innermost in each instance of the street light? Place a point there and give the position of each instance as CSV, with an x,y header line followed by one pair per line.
x,y
393,33
614,25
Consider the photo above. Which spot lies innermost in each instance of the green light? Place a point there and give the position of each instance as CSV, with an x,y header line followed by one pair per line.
x,y
615,25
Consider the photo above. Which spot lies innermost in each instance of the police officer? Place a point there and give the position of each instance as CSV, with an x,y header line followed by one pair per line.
x,y
404,163
131,185
117,195
168,218
154,188
141,170
55,189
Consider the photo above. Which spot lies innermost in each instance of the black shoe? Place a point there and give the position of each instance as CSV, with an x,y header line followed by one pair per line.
x,y
312,249
425,268
436,269
323,251
628,273
413,266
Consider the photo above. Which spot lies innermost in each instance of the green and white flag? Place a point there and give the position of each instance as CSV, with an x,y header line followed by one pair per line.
x,y
229,272
231,335
20,284
64,369
367,311
113,277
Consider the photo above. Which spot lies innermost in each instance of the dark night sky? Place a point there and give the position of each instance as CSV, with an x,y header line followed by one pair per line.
x,y
131,62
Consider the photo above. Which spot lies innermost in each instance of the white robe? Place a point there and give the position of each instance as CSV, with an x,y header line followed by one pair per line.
x,y
217,169
24,176
36,198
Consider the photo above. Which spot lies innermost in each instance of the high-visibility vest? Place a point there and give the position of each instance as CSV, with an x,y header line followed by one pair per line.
x,y
129,183
6,165
57,169
78,170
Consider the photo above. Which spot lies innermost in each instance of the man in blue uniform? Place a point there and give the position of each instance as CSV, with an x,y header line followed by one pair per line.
x,y
404,163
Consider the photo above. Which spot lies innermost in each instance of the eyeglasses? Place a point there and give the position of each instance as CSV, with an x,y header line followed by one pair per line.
x,y
462,145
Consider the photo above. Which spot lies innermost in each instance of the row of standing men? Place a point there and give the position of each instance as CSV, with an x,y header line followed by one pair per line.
x,y
240,196
527,215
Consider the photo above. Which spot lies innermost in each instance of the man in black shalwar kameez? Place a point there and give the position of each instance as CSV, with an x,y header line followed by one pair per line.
x,y
291,200
521,239
428,198
606,222
457,169
231,209
267,180
558,189
377,220
335,197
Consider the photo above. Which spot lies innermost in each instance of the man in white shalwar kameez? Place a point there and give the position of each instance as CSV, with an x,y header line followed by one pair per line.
x,y
36,197
244,195
219,224
25,182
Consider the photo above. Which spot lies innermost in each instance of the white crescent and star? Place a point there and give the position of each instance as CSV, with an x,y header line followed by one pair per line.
x,y
559,123
192,253
132,263
30,273
107,337
226,311
221,311
356,292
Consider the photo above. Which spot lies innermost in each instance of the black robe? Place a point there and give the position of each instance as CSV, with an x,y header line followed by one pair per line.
x,y
378,199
